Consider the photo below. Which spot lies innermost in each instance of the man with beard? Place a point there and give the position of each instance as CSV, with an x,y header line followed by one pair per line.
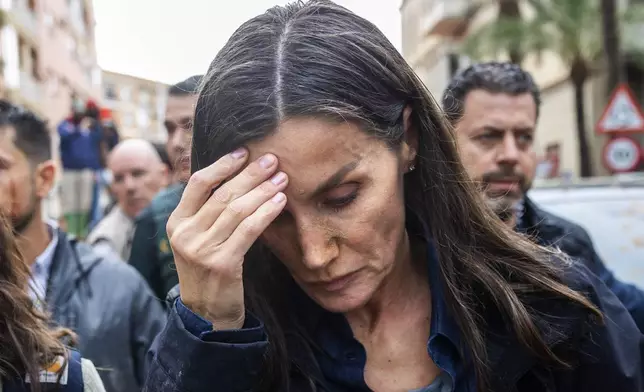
x,y
102,299
151,253
494,108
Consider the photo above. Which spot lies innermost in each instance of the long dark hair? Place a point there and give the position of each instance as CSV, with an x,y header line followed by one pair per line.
x,y
319,59
27,344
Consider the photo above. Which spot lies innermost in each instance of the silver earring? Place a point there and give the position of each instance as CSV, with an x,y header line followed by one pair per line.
x,y
412,167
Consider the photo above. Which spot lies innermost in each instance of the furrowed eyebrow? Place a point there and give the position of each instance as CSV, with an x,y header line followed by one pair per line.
x,y
336,179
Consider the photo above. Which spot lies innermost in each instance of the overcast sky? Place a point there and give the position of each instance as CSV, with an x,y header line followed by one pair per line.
x,y
160,40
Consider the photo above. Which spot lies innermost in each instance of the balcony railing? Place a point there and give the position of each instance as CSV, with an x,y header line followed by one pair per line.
x,y
445,13
79,27
24,16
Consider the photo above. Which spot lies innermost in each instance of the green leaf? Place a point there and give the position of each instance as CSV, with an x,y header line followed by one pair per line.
x,y
631,32
570,28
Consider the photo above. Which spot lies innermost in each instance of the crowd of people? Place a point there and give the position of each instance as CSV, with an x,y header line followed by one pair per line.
x,y
315,222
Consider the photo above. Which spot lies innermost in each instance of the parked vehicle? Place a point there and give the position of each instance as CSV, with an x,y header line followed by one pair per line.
x,y
611,210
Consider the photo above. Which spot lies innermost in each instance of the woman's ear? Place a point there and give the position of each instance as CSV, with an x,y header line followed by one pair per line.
x,y
409,146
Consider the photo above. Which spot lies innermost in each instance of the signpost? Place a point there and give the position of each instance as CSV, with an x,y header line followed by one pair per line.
x,y
622,114
621,155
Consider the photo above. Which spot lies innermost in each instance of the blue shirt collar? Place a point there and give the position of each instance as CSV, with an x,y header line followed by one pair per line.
x,y
44,260
41,268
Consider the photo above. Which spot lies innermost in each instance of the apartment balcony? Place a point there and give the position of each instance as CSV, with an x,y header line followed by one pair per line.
x,y
449,17
30,89
25,20
76,18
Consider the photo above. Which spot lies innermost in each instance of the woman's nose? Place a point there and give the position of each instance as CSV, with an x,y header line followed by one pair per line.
x,y
318,246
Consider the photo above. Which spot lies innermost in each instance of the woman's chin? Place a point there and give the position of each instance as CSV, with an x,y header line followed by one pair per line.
x,y
341,302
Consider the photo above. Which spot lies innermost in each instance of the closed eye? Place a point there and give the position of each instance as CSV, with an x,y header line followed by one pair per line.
x,y
338,203
339,198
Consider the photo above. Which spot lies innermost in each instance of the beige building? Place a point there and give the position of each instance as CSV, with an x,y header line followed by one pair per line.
x,y
48,54
432,30
137,104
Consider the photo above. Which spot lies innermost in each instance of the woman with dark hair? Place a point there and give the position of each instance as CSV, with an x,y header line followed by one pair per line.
x,y
329,239
32,358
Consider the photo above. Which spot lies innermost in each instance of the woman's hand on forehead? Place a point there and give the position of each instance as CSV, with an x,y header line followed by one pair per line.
x,y
210,232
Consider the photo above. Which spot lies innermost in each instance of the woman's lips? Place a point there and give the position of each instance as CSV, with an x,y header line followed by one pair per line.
x,y
336,284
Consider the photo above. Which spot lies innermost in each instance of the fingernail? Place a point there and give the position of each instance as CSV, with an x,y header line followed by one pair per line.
x,y
278,178
278,198
239,153
266,161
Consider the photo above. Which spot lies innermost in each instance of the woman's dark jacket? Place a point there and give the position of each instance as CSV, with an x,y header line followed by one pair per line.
x,y
604,356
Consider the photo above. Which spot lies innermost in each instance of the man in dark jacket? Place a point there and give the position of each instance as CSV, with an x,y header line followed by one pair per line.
x,y
494,108
100,297
151,253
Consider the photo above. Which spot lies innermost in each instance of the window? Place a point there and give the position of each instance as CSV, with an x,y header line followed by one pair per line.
x,y
97,76
21,58
144,97
110,91
125,93
48,19
83,52
34,63
453,60
70,42
53,84
142,119
77,15
127,120
87,17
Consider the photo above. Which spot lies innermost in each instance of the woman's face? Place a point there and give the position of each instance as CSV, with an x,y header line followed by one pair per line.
x,y
343,227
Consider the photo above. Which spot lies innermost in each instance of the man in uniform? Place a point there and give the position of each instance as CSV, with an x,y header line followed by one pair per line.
x,y
151,253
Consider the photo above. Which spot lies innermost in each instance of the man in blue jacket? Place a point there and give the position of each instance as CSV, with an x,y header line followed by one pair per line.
x,y
80,152
494,108
96,294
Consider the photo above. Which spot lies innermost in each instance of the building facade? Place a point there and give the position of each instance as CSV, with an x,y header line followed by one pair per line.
x,y
432,31
48,54
47,57
138,105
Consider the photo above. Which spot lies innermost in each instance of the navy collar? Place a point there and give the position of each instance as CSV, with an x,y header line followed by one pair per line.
x,y
442,321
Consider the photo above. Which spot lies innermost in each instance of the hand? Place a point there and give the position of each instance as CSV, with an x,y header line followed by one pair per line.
x,y
210,234
86,123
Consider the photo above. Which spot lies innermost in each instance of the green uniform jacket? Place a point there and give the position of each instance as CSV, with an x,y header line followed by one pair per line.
x,y
151,253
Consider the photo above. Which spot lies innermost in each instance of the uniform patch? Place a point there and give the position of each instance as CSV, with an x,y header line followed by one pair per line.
x,y
57,372
164,246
